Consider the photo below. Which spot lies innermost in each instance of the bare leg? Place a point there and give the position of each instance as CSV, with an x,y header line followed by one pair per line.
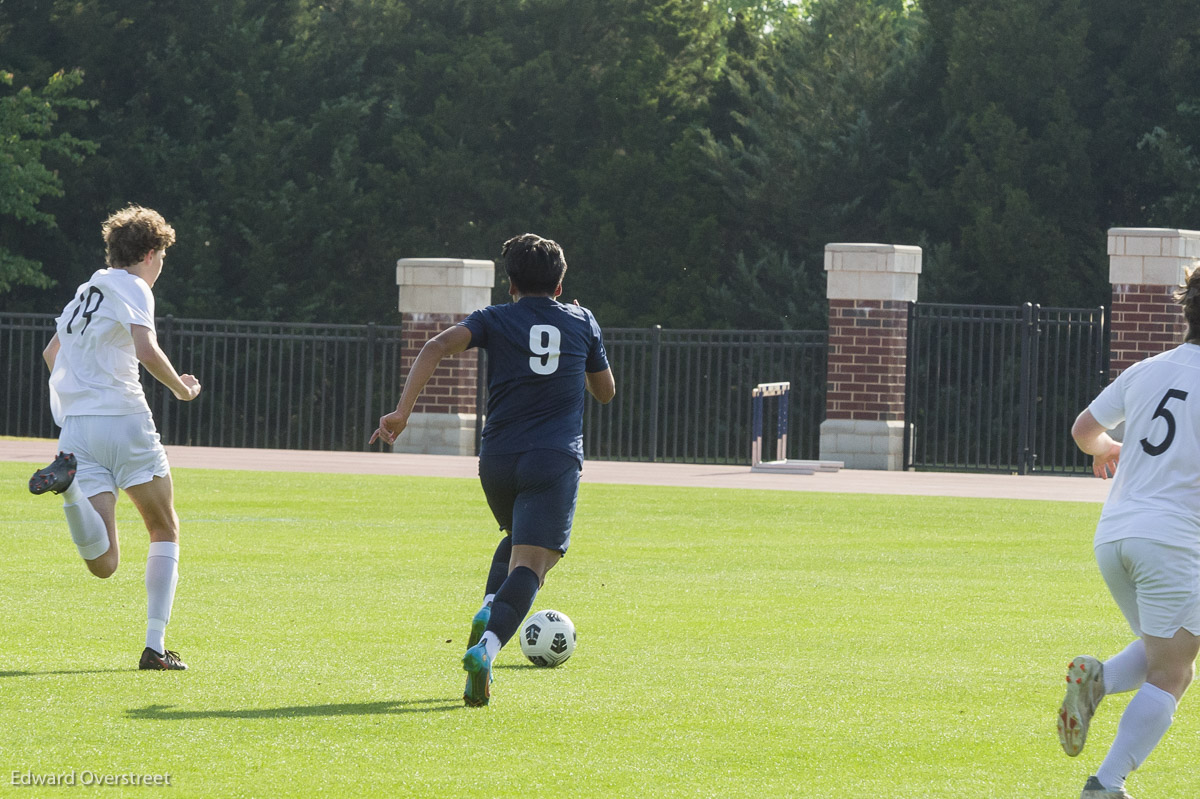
x,y
155,500
539,560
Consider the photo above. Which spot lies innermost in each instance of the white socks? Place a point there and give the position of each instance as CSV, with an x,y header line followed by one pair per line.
x,y
1126,671
1143,724
492,643
162,574
86,525
73,494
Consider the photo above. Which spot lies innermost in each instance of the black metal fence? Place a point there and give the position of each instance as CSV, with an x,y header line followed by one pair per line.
x,y
26,407
996,388
683,395
266,384
989,388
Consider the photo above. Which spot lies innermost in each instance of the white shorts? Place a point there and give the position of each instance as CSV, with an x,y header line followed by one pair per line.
x,y
1156,585
113,451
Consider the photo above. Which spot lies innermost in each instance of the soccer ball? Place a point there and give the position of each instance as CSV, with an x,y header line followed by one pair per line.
x,y
548,638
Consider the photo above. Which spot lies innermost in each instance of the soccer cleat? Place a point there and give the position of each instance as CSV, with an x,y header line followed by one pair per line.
x,y
56,477
1085,689
1094,790
479,625
161,661
478,666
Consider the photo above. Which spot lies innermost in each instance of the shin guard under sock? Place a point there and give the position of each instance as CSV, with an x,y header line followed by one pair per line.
x,y
87,529
499,571
512,603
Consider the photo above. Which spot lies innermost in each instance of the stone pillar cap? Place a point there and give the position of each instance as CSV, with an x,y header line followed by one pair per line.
x,y
1145,256
858,271
869,247
444,285
1161,232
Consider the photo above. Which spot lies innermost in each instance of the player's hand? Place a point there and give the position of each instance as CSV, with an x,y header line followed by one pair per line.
x,y
193,388
390,426
1104,465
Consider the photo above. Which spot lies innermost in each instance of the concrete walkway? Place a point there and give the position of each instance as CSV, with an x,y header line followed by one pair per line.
x,y
851,481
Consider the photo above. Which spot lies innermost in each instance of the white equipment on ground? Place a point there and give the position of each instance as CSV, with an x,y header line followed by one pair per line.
x,y
757,464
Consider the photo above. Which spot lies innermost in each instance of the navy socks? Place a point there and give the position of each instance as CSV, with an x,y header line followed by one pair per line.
x,y
499,571
512,603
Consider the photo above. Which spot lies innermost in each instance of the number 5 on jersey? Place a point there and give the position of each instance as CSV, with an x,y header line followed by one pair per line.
x,y
1161,412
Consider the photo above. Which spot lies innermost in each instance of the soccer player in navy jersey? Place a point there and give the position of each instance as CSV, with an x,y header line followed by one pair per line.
x,y
542,355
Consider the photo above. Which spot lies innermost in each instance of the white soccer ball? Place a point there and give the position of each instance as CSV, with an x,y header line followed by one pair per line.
x,y
548,638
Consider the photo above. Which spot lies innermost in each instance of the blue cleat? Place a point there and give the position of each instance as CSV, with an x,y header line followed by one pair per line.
x,y
478,625
479,676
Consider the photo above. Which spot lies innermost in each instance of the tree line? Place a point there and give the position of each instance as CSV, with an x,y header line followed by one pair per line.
x,y
692,157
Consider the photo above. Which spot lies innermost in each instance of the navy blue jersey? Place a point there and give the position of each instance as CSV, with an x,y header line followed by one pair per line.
x,y
538,351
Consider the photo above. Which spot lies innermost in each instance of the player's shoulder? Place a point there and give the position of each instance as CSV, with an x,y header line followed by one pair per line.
x,y
1184,358
538,310
1177,368
118,279
119,286
578,313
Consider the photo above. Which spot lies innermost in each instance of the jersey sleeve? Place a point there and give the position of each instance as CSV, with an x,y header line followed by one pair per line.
x,y
1108,408
597,359
136,306
476,322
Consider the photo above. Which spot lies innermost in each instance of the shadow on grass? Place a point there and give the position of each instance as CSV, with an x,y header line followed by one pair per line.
x,y
60,671
518,667
165,713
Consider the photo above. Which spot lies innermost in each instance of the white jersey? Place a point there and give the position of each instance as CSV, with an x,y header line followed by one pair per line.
x,y
96,370
1156,491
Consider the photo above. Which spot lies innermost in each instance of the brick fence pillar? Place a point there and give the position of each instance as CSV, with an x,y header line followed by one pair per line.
x,y
869,288
1145,266
435,293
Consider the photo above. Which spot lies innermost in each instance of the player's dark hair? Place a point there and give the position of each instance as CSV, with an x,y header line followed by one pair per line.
x,y
1188,296
533,264
132,232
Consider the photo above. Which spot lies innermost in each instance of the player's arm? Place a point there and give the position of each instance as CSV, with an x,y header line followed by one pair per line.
x,y
1093,438
450,341
601,385
151,356
50,354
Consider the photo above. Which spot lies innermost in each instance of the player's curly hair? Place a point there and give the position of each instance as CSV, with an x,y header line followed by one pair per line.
x,y
534,265
132,232
1188,297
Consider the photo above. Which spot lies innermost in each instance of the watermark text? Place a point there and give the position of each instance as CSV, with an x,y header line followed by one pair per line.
x,y
87,778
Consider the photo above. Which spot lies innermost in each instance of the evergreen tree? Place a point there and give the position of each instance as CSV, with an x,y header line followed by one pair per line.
x,y
30,150
821,133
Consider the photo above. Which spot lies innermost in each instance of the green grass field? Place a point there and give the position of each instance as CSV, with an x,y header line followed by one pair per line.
x,y
731,643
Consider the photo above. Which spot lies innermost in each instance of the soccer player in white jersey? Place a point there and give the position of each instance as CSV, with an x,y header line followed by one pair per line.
x,y
108,440
1148,548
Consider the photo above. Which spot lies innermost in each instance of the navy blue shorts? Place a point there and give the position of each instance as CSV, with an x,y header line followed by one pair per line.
x,y
532,495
